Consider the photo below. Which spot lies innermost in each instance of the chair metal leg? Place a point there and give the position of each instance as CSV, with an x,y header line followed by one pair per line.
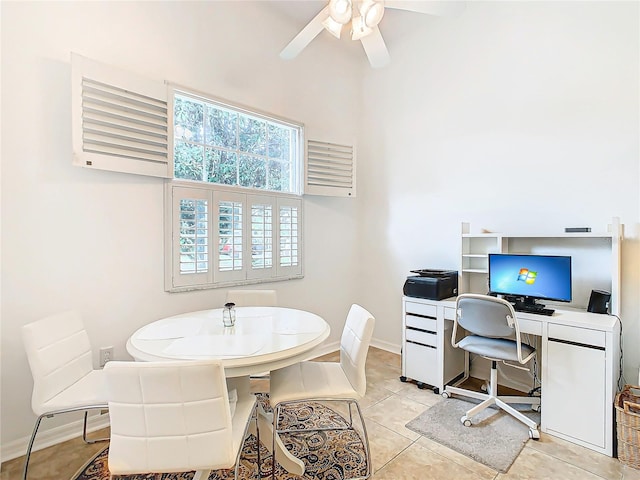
x,y
84,432
84,408
28,455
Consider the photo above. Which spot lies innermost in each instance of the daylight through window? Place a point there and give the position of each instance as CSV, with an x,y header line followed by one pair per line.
x,y
220,144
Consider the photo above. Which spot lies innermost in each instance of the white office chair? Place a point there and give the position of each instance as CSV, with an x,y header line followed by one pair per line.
x,y
174,416
64,380
329,381
253,298
492,325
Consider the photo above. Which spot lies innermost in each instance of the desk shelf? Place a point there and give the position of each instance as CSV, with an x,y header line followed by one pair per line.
x,y
595,258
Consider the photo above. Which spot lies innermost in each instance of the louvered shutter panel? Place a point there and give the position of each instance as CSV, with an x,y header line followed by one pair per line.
x,y
330,169
188,233
119,121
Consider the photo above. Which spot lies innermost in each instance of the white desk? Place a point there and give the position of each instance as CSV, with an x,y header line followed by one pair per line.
x,y
580,365
263,338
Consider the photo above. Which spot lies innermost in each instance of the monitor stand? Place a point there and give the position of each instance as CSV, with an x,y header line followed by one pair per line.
x,y
524,304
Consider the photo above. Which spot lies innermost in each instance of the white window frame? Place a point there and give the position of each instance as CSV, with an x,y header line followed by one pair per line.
x,y
297,168
175,281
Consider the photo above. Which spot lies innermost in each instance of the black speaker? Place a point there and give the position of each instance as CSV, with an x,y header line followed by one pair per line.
x,y
599,301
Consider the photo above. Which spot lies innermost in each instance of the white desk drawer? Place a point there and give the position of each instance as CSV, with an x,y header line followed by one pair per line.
x,y
424,338
421,363
449,313
422,323
421,309
533,327
577,335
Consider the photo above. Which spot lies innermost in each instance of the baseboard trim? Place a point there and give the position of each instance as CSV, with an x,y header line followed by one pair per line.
x,y
389,347
53,436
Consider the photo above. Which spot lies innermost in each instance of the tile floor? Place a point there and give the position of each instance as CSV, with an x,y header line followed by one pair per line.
x,y
397,453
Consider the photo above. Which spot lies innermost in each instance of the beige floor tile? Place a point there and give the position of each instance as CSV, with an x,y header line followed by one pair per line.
x,y
385,444
479,469
420,463
426,396
381,357
594,462
394,412
532,464
629,473
375,394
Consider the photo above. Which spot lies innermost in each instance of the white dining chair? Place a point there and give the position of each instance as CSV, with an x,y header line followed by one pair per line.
x,y
60,358
175,416
343,381
253,298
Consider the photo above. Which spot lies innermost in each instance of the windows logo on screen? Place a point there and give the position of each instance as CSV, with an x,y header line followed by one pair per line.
x,y
527,276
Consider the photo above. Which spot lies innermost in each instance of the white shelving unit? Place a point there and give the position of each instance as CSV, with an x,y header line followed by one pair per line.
x,y
595,258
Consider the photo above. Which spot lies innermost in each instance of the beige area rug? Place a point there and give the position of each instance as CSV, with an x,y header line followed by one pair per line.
x,y
328,455
495,439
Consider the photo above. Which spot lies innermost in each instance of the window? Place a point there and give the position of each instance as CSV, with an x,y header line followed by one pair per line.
x,y
222,237
221,144
235,212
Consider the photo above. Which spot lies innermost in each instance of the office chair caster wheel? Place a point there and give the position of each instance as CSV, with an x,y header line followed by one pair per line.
x,y
403,379
534,434
446,394
465,421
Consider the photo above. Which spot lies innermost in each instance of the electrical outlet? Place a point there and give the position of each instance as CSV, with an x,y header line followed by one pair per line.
x,y
106,355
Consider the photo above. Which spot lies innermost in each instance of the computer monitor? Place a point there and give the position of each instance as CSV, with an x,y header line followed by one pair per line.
x,y
523,279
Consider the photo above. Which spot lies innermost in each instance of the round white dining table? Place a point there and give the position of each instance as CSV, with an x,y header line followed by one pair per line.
x,y
263,338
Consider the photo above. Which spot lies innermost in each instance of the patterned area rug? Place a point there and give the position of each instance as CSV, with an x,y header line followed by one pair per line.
x,y
327,455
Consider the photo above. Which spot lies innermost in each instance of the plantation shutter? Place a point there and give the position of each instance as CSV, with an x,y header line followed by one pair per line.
x,y
289,237
229,236
260,235
119,121
189,234
330,169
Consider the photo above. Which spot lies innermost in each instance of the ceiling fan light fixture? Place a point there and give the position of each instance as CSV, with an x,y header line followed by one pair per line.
x,y
372,12
359,29
333,27
340,11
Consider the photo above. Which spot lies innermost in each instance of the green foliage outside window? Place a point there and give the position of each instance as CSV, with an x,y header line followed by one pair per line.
x,y
215,144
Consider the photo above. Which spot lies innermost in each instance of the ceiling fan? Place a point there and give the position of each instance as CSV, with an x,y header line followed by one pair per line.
x,y
363,17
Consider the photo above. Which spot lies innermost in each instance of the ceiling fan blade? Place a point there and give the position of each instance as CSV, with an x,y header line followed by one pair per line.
x,y
375,49
433,7
306,35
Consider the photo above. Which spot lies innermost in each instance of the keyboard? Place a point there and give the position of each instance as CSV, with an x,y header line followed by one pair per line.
x,y
543,311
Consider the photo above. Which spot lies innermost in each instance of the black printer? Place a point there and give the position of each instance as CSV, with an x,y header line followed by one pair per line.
x,y
432,284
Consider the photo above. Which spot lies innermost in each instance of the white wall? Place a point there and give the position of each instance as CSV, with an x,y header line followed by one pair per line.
x,y
517,117
541,95
93,241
